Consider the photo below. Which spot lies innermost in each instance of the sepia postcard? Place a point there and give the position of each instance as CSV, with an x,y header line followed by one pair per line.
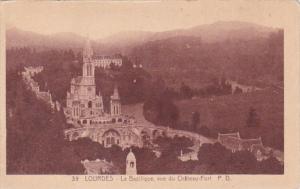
x,y
152,94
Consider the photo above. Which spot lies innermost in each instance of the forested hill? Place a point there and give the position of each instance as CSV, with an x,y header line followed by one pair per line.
x,y
259,59
243,51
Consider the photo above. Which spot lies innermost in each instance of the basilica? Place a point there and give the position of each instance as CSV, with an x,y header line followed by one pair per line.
x,y
85,111
83,106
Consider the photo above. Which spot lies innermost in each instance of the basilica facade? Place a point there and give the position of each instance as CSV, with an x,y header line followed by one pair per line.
x,y
83,106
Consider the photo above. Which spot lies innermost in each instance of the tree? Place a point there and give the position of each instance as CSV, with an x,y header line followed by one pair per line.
x,y
145,139
35,140
145,158
242,162
186,91
238,90
271,166
161,110
195,120
204,130
253,119
213,154
113,67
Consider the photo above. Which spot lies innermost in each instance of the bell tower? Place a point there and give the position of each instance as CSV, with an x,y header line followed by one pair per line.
x,y
88,88
115,103
88,68
131,164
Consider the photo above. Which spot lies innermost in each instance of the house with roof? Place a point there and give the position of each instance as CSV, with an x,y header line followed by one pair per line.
x,y
98,167
234,142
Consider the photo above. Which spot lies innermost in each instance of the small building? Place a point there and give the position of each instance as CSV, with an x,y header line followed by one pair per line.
x,y
230,140
234,142
34,86
247,144
131,164
260,152
107,61
33,70
193,155
46,97
98,167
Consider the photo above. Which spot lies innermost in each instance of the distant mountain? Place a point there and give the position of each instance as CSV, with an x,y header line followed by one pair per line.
x,y
238,49
124,41
219,31
209,33
247,52
20,38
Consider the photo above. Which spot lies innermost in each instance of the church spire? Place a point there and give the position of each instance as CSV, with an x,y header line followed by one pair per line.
x,y
87,52
115,94
115,104
88,68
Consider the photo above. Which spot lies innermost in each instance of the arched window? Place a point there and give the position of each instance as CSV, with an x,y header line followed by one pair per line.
x,y
87,70
90,104
131,164
90,70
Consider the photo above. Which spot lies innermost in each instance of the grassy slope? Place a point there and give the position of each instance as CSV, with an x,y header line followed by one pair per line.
x,y
229,113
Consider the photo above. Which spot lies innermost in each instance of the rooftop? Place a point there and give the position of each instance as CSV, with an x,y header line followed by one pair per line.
x,y
98,166
233,141
45,96
116,56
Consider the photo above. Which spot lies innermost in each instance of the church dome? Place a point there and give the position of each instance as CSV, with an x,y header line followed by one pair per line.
x,y
130,156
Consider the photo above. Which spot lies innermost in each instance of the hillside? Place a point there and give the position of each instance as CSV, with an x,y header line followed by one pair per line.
x,y
238,50
210,33
259,60
219,31
20,38
230,113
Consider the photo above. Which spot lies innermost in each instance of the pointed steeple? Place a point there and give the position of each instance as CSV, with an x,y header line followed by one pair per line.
x,y
87,51
115,104
88,68
115,94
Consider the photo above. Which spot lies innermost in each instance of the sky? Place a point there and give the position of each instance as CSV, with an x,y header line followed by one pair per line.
x,y
102,19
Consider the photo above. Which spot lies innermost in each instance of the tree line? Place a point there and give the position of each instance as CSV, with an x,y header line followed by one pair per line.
x,y
212,158
35,141
36,145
